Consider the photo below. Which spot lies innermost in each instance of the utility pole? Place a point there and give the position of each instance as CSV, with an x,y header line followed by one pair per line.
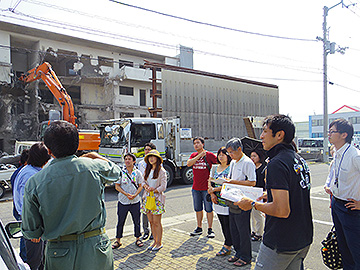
x,y
327,48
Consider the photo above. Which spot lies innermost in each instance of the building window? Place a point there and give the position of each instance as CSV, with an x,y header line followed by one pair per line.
x,y
75,94
127,91
317,122
142,97
142,115
125,63
317,135
104,61
126,114
354,120
70,69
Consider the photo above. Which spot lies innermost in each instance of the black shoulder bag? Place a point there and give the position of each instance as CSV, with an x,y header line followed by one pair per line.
x,y
131,180
330,251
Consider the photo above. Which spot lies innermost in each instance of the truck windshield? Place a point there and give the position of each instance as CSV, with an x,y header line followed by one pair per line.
x,y
310,143
142,133
113,135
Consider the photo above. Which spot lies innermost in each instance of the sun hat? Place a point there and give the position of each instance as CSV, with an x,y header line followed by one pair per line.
x,y
153,153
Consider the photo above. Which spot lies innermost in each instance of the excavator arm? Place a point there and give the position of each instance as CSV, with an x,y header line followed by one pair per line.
x,y
45,73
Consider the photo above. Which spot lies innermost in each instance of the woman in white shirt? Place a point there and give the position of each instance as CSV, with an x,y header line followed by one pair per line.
x,y
129,187
221,209
155,180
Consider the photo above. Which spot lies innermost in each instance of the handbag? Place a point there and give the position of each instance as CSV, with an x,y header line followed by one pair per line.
x,y
330,251
150,201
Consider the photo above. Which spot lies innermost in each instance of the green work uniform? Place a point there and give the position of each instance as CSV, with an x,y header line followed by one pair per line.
x,y
67,198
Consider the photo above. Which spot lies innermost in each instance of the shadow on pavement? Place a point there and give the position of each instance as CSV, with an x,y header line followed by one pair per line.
x,y
192,246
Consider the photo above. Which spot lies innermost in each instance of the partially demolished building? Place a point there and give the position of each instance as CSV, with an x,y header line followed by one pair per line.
x,y
107,81
104,81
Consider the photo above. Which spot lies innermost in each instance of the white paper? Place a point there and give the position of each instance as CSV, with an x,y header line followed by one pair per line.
x,y
235,193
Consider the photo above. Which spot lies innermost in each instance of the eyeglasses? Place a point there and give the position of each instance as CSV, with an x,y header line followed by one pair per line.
x,y
333,131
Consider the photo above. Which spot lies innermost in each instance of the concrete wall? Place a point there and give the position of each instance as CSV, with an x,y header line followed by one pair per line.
x,y
214,108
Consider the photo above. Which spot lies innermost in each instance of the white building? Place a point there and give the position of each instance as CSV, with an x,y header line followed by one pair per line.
x,y
350,113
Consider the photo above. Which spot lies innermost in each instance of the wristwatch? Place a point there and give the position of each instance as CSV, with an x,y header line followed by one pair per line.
x,y
253,204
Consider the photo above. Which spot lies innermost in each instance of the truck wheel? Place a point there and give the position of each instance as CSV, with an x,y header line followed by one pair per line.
x,y
187,176
169,174
2,191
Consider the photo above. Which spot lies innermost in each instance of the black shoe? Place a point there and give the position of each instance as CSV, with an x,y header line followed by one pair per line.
x,y
151,237
197,231
145,236
211,233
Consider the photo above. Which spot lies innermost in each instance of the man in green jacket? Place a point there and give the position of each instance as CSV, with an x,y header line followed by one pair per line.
x,y
64,204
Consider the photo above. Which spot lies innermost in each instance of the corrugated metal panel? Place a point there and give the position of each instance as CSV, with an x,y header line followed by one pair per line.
x,y
214,107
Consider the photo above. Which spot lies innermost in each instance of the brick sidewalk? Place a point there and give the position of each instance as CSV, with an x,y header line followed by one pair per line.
x,y
180,251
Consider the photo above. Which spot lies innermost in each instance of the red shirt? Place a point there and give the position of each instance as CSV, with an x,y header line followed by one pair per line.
x,y
201,172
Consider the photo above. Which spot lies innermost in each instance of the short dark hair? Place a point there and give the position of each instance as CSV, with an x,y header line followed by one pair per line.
x,y
130,155
278,122
343,126
260,154
38,155
62,138
201,139
224,151
151,145
24,156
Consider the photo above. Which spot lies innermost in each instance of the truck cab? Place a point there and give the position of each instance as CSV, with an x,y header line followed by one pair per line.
x,y
119,136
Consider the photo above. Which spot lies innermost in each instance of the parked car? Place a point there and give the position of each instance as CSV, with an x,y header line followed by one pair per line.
x,y
9,259
6,170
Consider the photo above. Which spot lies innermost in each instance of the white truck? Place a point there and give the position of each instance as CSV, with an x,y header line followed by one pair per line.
x,y
119,136
6,170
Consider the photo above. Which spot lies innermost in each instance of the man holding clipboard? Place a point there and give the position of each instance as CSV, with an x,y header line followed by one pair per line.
x,y
288,225
242,172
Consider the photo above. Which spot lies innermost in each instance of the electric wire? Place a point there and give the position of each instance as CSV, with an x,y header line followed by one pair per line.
x,y
345,87
16,5
72,11
147,42
210,24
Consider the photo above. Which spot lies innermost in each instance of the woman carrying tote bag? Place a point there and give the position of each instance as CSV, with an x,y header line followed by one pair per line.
x,y
154,185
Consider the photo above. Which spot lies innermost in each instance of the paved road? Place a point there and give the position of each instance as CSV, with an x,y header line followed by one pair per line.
x,y
180,217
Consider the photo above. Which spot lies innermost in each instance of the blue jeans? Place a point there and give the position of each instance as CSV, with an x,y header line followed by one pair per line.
x,y
199,199
347,226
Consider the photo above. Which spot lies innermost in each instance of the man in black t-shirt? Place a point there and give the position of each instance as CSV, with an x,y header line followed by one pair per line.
x,y
288,226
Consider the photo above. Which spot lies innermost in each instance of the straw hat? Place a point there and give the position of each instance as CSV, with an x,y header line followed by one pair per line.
x,y
153,153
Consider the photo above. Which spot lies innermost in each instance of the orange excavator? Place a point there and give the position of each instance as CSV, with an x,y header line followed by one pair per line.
x,y
89,140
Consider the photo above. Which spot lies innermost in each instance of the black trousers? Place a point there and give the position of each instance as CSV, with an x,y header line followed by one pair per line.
x,y
225,227
122,212
240,234
35,254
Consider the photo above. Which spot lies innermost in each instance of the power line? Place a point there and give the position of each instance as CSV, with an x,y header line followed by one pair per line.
x,y
342,86
15,6
72,11
142,41
344,72
210,24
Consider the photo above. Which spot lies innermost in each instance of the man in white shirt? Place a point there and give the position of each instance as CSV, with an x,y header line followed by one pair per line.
x,y
242,172
142,166
345,188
